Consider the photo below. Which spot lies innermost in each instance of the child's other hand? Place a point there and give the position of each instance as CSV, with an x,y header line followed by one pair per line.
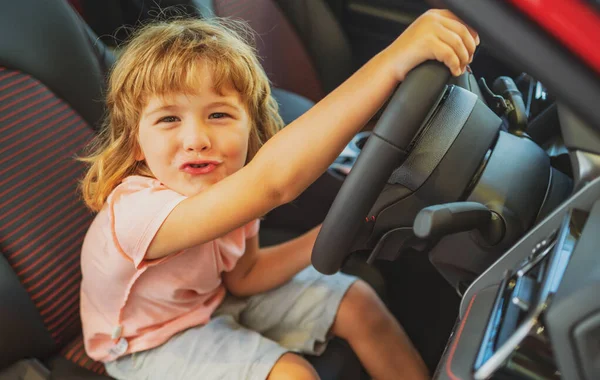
x,y
435,35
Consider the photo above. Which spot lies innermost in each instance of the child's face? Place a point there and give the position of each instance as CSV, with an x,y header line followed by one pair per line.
x,y
190,142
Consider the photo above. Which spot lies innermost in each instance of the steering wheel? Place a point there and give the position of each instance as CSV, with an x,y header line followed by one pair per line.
x,y
396,132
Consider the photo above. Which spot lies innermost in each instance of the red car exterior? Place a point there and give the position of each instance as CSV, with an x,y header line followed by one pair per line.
x,y
576,23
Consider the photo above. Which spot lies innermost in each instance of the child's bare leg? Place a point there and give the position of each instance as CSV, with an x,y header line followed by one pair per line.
x,y
376,337
292,367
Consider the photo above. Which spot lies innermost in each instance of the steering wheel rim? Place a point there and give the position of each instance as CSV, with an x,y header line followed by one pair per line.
x,y
389,146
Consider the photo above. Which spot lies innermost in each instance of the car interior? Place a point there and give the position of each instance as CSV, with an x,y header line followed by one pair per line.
x,y
468,203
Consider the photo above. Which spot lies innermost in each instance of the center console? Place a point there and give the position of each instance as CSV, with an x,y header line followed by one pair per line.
x,y
535,313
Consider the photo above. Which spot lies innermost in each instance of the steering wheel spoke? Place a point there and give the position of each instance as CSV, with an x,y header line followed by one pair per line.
x,y
389,145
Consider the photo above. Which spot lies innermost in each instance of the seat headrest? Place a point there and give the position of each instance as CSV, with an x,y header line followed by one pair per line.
x,y
50,42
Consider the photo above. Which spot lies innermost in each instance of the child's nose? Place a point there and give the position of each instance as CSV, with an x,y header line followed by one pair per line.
x,y
197,140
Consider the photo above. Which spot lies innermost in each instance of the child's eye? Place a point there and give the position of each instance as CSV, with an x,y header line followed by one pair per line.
x,y
168,119
218,115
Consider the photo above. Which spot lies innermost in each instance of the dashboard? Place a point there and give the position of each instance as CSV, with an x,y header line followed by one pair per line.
x,y
535,313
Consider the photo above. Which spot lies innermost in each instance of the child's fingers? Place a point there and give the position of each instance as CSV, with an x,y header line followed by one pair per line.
x,y
460,29
446,54
453,40
475,35
471,31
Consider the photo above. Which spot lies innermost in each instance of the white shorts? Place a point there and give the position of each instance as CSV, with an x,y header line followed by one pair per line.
x,y
246,337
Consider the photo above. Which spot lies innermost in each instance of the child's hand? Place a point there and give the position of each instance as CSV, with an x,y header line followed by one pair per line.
x,y
435,35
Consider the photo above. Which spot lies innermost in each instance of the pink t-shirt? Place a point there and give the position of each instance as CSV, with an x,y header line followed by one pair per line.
x,y
129,304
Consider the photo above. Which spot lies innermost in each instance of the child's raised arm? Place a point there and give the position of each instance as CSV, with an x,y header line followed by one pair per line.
x,y
296,156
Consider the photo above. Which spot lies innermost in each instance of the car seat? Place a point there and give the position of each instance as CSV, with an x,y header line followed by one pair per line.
x,y
52,72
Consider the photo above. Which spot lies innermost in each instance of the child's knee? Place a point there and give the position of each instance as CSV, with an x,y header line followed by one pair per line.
x,y
292,367
361,308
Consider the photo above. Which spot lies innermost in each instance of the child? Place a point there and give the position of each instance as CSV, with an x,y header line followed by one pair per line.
x,y
189,162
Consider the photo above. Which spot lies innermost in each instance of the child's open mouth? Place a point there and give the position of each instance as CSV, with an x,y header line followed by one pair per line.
x,y
199,167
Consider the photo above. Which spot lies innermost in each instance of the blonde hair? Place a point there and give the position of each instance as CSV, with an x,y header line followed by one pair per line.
x,y
162,58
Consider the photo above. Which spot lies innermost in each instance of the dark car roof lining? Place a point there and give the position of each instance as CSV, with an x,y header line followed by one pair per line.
x,y
534,51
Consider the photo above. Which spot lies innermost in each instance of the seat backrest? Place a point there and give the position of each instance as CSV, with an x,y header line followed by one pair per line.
x,y
42,220
51,82
323,38
284,58
302,46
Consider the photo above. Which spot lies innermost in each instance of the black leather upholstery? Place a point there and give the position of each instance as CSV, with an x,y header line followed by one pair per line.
x,y
22,332
339,362
291,105
324,39
63,369
46,40
321,35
